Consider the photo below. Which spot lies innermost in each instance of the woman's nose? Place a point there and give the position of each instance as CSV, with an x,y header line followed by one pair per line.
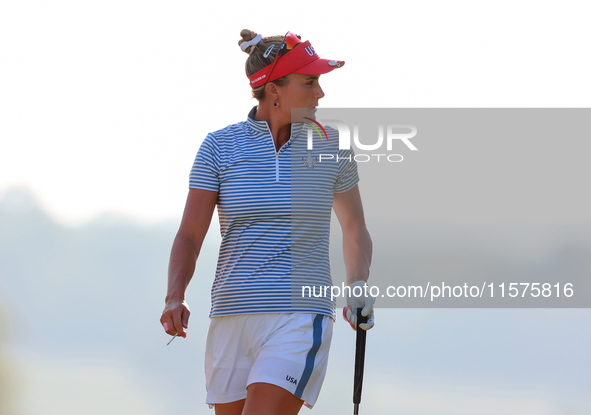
x,y
320,92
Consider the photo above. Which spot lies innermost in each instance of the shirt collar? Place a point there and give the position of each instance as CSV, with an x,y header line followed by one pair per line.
x,y
263,126
257,126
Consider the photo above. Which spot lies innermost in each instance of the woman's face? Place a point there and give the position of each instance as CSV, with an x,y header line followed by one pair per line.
x,y
302,91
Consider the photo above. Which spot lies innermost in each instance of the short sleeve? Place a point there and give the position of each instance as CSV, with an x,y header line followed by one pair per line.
x,y
206,168
347,176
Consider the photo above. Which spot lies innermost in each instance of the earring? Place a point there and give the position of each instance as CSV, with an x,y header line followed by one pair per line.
x,y
276,104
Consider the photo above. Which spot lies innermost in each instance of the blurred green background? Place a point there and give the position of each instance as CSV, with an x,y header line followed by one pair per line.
x,y
81,334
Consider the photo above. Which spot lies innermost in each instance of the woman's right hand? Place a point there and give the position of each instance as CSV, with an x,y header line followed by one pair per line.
x,y
175,317
185,251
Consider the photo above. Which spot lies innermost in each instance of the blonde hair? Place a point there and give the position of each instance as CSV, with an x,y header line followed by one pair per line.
x,y
257,61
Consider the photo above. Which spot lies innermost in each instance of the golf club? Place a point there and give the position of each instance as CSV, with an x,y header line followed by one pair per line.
x,y
359,361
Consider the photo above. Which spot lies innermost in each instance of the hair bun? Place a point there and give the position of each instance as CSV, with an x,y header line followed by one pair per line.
x,y
247,36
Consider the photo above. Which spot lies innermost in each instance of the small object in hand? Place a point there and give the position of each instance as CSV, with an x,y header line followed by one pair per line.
x,y
173,337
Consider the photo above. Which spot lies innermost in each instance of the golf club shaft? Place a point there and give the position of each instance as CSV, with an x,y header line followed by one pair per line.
x,y
359,361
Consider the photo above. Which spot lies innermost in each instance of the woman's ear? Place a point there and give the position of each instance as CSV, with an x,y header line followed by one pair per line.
x,y
271,90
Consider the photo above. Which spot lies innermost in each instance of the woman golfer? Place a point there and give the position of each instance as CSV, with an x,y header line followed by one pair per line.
x,y
270,330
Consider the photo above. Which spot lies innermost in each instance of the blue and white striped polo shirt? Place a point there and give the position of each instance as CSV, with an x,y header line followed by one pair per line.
x,y
274,210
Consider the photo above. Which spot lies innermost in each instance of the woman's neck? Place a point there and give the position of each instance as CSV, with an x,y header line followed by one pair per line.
x,y
279,126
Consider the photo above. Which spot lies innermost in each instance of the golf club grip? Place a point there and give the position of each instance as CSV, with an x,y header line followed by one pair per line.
x,y
359,358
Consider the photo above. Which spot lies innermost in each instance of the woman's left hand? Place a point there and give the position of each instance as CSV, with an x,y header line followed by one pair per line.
x,y
365,301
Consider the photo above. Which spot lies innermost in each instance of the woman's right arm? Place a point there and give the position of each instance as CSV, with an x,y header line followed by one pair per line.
x,y
185,251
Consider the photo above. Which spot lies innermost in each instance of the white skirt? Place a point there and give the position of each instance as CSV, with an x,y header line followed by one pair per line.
x,y
289,350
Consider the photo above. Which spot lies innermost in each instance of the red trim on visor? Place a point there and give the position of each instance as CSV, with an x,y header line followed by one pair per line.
x,y
301,59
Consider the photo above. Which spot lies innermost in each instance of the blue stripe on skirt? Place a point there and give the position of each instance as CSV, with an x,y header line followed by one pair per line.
x,y
317,339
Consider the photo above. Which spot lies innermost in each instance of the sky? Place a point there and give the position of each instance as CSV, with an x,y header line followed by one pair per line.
x,y
104,104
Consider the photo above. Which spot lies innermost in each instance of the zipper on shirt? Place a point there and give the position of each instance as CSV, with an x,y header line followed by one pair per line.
x,y
277,152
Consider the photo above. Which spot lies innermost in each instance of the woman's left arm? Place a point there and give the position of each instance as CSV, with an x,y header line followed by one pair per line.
x,y
357,250
357,246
